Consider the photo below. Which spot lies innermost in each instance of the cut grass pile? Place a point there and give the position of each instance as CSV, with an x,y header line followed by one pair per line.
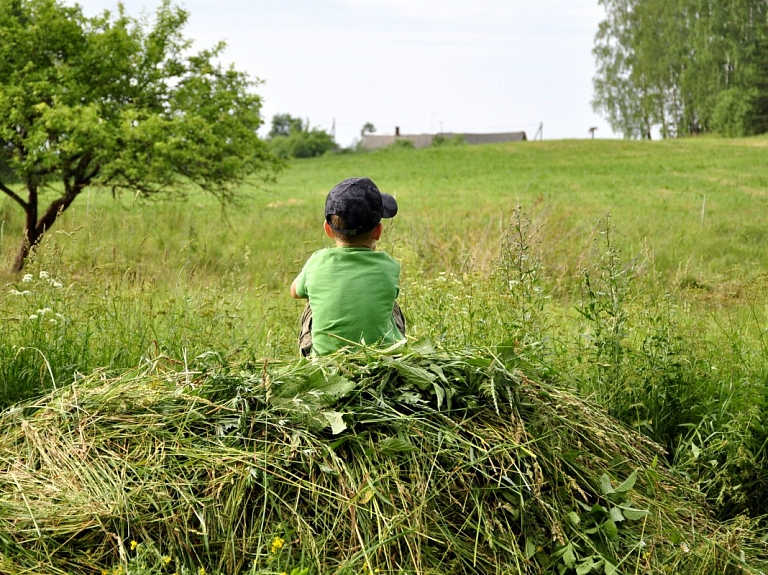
x,y
429,462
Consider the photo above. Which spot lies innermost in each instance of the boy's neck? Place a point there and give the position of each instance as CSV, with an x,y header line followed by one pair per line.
x,y
371,245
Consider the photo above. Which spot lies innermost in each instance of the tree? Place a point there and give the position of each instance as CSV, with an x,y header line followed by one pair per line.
x,y
292,138
368,128
284,125
117,103
687,66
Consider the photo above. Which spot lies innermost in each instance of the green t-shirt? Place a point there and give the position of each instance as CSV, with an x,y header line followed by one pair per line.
x,y
351,292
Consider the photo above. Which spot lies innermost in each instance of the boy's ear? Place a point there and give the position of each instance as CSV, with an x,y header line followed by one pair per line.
x,y
377,231
328,230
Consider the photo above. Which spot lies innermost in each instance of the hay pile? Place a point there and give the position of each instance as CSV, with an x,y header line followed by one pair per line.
x,y
425,463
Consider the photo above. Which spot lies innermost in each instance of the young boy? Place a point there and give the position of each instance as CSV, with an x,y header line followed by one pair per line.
x,y
351,288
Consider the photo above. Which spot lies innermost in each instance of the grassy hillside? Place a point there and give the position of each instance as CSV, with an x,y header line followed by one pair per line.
x,y
696,204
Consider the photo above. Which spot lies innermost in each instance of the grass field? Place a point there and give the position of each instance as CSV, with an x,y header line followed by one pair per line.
x,y
630,274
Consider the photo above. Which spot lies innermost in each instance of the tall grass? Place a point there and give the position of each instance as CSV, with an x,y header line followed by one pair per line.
x,y
58,325
453,200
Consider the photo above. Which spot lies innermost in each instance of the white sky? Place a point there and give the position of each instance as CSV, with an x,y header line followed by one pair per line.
x,y
422,65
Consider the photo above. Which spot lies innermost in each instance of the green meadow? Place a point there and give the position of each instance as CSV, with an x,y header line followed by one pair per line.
x,y
630,276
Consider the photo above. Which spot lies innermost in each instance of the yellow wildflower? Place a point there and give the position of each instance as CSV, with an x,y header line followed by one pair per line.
x,y
134,545
201,571
166,560
277,544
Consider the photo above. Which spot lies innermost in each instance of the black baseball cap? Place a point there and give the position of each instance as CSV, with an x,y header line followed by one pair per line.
x,y
360,204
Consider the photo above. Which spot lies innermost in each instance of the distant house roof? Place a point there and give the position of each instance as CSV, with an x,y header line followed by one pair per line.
x,y
372,142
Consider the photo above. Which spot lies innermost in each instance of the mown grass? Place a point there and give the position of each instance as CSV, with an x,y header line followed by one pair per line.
x,y
423,462
657,312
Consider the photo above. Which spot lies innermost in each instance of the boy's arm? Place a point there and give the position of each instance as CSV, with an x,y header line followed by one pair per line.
x,y
293,291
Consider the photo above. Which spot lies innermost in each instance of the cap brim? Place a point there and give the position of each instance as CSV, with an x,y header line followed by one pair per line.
x,y
388,206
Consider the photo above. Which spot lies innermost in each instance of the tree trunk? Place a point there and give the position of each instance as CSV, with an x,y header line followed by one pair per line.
x,y
23,252
29,238
35,228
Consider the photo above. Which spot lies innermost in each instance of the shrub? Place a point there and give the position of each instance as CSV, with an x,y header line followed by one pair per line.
x,y
734,112
292,138
443,140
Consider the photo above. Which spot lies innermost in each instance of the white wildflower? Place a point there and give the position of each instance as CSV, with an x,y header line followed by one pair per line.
x,y
684,547
44,311
44,275
33,317
52,321
27,278
56,284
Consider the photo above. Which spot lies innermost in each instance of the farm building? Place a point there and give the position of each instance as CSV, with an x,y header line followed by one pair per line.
x,y
372,142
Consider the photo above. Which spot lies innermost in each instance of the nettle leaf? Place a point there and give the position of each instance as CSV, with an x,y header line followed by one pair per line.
x,y
605,484
633,514
410,397
589,565
439,372
598,509
610,529
530,548
696,451
440,393
316,388
415,375
336,421
332,386
616,515
569,557
392,445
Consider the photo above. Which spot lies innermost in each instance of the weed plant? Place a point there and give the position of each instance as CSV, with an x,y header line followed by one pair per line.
x,y
57,326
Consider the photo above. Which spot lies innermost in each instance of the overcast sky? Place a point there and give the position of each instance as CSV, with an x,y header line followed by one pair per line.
x,y
423,65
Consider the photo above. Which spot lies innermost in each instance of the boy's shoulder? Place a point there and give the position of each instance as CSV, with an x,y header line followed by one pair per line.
x,y
342,252
359,258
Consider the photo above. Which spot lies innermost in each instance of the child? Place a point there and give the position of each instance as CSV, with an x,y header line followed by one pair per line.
x,y
351,288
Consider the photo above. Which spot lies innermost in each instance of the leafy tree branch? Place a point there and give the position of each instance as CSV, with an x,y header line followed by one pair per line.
x,y
119,104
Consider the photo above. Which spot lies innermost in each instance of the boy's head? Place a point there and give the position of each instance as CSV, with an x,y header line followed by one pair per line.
x,y
355,206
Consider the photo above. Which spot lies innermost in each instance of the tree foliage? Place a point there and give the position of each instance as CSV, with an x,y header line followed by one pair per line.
x,y
119,103
684,66
368,128
291,137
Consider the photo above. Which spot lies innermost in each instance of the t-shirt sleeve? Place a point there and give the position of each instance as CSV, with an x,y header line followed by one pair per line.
x,y
305,274
301,283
